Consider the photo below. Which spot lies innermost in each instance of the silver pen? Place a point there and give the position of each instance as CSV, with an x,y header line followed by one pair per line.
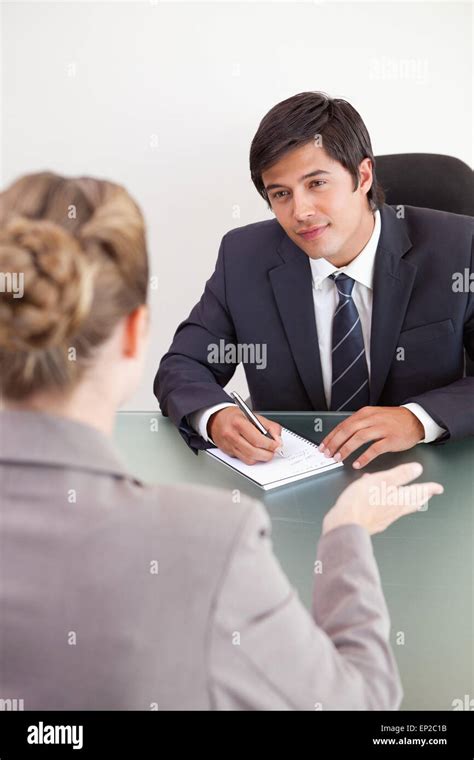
x,y
253,419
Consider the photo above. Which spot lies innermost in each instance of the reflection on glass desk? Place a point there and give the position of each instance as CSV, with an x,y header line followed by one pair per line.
x,y
426,560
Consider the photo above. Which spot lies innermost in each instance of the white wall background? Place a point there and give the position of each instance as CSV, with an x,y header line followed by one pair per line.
x,y
89,87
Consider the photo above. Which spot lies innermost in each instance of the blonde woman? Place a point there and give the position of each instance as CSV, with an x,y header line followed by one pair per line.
x,y
83,623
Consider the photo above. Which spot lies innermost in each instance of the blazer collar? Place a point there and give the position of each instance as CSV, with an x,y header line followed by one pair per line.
x,y
37,438
394,277
292,287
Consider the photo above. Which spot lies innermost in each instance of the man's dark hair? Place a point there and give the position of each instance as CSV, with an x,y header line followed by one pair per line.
x,y
307,117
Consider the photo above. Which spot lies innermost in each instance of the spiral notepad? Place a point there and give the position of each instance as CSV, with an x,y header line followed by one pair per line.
x,y
302,460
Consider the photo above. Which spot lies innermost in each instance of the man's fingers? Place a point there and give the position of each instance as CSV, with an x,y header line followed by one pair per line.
x,y
355,442
252,453
247,443
344,431
254,437
327,441
274,428
377,448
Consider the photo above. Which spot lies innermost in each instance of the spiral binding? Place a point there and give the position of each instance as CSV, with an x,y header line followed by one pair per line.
x,y
301,438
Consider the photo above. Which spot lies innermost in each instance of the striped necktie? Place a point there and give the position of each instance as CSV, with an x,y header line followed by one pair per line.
x,y
350,376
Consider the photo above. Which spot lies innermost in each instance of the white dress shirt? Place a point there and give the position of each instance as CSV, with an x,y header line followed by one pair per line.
x,y
326,300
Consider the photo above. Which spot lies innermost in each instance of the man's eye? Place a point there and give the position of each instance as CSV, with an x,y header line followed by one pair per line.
x,y
283,193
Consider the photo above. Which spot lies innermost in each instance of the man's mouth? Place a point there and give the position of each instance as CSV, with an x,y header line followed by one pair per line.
x,y
313,232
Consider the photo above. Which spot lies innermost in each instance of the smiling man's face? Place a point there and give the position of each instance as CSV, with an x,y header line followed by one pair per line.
x,y
311,193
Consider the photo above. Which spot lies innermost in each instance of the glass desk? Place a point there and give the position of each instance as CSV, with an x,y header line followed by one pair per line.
x,y
425,560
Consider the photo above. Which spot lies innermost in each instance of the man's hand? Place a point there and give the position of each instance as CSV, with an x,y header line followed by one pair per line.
x,y
231,431
392,428
376,501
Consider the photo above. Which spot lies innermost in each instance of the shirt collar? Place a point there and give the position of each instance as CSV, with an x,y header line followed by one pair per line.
x,y
361,269
37,438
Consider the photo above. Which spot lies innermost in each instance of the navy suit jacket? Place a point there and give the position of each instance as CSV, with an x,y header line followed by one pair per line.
x,y
261,292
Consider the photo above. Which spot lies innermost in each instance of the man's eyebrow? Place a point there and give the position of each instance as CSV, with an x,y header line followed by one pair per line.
x,y
301,179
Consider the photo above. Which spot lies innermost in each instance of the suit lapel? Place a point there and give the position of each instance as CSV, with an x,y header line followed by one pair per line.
x,y
292,287
392,286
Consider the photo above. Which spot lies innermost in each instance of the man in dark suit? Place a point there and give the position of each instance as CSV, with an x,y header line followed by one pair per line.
x,y
342,302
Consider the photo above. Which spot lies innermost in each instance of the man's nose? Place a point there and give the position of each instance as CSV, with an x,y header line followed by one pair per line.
x,y
302,207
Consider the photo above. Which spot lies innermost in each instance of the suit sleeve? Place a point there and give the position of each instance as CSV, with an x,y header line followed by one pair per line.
x,y
200,360
452,406
268,652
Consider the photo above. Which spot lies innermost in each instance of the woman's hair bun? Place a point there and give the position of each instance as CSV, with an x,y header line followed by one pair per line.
x,y
54,285
76,246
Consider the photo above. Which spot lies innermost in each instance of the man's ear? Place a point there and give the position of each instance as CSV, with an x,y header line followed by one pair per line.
x,y
135,328
365,175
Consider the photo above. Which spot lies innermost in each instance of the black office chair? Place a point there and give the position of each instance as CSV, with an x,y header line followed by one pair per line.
x,y
428,180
